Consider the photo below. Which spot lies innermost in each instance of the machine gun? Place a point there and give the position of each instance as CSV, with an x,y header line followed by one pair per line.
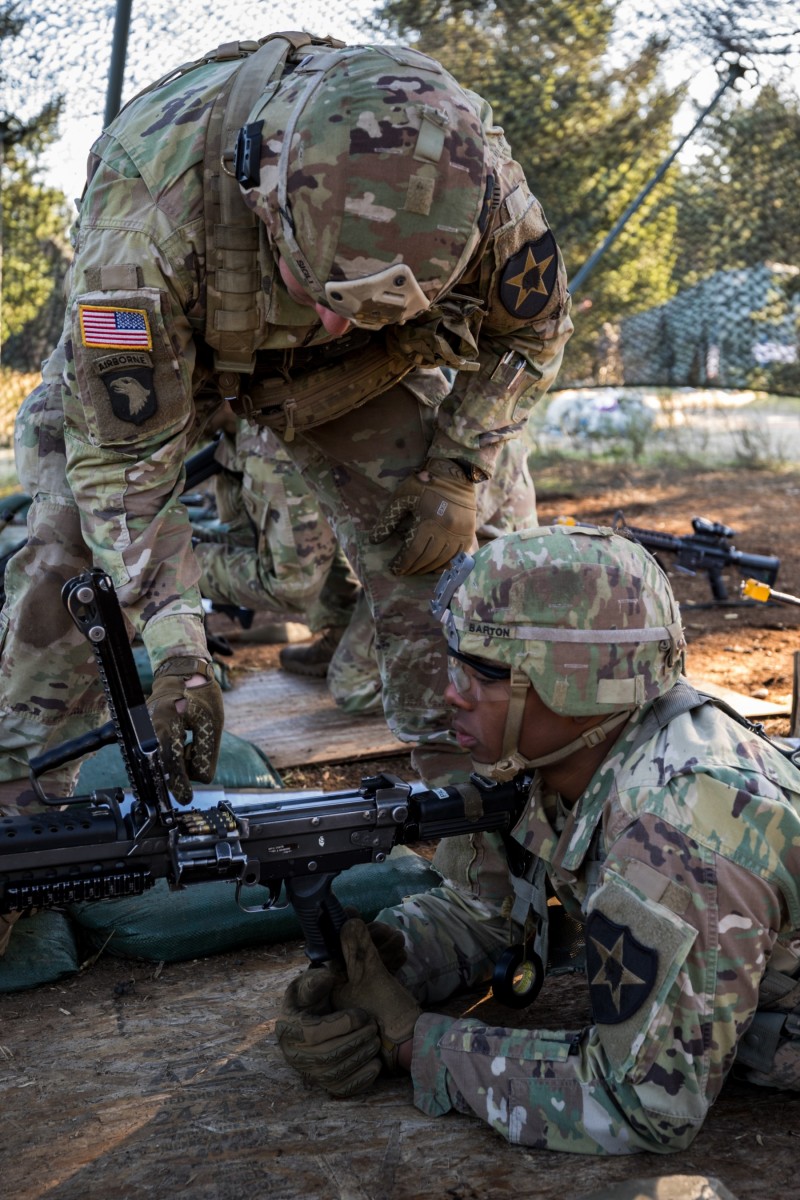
x,y
710,548
117,843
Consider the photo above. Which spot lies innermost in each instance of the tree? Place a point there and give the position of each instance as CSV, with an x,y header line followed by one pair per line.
x,y
33,222
589,132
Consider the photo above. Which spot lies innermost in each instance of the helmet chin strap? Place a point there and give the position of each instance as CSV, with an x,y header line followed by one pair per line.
x,y
512,761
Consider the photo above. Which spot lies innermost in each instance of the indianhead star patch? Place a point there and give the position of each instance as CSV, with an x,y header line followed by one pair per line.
x,y
529,277
115,328
621,971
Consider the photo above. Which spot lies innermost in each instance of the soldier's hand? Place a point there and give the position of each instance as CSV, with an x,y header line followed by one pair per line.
x,y
434,513
340,1051
176,709
369,986
388,941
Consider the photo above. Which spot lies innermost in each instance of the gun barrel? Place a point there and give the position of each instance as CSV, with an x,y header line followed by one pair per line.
x,y
760,566
66,752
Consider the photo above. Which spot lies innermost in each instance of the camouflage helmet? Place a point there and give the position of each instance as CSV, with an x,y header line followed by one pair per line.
x,y
585,613
373,179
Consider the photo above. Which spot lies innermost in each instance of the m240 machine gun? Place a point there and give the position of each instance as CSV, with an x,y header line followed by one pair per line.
x,y
118,843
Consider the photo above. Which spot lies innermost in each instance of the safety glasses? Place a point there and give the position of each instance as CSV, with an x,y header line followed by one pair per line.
x,y
474,677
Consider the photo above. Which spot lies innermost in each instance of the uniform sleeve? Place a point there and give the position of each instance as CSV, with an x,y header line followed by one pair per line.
x,y
522,287
129,414
677,941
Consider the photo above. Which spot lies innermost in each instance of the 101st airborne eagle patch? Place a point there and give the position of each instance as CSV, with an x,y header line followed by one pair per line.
x,y
529,277
621,971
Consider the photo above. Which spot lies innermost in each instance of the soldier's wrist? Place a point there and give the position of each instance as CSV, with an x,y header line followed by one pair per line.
x,y
457,469
188,667
404,1053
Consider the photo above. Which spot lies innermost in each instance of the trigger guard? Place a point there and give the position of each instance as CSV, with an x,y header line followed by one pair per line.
x,y
273,887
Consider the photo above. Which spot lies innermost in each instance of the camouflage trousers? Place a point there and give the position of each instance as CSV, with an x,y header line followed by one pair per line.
x,y
280,554
275,551
49,688
353,465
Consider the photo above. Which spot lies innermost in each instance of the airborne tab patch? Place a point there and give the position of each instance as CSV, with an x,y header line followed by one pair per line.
x,y
115,328
529,277
621,971
128,380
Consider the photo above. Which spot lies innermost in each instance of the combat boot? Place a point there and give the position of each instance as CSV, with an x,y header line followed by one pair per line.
x,y
313,658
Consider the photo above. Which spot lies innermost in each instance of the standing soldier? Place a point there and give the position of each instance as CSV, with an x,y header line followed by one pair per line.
x,y
293,226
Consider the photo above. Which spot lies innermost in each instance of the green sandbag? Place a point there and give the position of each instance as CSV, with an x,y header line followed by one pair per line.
x,y
241,765
164,926
41,950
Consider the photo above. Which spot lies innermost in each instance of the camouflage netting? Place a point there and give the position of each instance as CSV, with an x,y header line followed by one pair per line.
x,y
700,286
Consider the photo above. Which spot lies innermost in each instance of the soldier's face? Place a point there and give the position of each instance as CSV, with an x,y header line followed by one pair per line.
x,y
331,321
481,709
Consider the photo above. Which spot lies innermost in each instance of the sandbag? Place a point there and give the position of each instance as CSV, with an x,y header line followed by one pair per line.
x,y
164,926
241,764
41,950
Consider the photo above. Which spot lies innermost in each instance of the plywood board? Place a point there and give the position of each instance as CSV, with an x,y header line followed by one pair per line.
x,y
746,706
296,723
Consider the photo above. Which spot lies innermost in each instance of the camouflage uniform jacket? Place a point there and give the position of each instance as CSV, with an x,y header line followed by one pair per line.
x,y
138,380
695,905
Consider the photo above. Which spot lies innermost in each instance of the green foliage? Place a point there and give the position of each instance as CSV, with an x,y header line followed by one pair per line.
x,y
588,133
34,220
742,193
33,217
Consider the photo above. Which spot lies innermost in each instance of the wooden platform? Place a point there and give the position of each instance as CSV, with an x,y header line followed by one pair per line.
x,y
296,723
746,706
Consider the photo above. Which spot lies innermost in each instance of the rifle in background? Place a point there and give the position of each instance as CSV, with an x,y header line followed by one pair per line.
x,y
709,548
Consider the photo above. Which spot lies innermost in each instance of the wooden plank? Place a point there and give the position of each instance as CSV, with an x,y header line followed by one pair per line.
x,y
296,723
745,705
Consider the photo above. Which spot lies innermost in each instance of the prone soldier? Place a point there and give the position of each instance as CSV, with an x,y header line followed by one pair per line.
x,y
668,828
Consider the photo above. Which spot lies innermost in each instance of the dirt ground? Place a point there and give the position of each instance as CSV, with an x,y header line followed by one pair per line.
x,y
138,1079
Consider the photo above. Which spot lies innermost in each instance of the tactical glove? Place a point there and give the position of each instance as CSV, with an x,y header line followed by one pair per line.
x,y
337,1050
369,986
434,513
176,710
388,941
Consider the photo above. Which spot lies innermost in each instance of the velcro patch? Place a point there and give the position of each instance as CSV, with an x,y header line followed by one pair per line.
x,y
529,277
115,328
621,970
128,379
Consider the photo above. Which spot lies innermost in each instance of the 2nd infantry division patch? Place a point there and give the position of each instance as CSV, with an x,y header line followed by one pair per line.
x,y
115,328
529,277
621,971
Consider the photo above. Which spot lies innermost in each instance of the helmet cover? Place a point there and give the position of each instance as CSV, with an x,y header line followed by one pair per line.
x,y
373,179
586,613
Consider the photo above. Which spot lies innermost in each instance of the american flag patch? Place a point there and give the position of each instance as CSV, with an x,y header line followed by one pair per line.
x,y
115,328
